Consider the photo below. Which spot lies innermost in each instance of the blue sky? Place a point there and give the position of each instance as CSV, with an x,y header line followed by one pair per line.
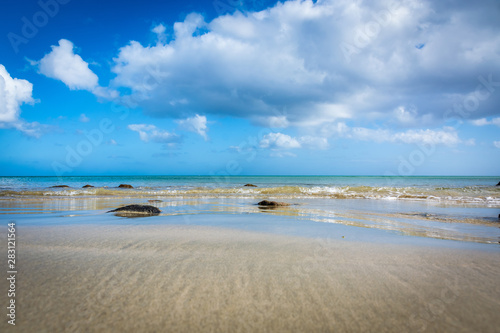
x,y
250,87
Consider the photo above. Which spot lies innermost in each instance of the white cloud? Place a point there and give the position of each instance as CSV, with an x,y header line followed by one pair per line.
x,y
446,136
14,93
409,116
159,30
152,133
83,118
63,64
281,154
284,66
278,141
484,121
197,124
496,144
313,142
480,122
34,129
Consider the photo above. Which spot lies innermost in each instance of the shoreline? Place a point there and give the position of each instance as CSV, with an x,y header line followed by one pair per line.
x,y
462,223
147,277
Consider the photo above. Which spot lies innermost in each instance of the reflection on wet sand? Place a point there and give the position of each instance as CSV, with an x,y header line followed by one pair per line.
x,y
412,223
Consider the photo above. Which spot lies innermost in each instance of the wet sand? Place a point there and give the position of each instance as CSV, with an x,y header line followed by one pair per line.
x,y
168,278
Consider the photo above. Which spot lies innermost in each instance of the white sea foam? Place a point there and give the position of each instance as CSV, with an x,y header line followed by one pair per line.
x,y
480,195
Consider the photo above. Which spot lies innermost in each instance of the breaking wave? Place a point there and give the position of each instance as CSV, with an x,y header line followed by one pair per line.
x,y
480,195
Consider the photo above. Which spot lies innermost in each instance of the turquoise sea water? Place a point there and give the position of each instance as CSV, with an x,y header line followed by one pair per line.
x,y
468,190
453,208
231,181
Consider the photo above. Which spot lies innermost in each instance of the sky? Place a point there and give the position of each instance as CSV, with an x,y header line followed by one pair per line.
x,y
250,87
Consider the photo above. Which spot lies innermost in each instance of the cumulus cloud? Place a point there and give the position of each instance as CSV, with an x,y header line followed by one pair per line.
x,y
317,64
484,121
152,133
83,118
282,154
159,30
496,144
14,93
313,142
445,136
196,124
409,116
34,129
287,65
278,141
63,64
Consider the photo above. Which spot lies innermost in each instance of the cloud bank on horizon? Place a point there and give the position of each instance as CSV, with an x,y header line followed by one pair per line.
x,y
396,72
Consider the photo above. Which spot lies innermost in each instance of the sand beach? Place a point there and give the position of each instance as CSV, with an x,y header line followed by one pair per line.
x,y
187,278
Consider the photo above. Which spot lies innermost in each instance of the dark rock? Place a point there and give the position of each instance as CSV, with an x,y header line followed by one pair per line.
x,y
498,184
64,186
250,185
155,200
85,186
136,210
125,186
273,203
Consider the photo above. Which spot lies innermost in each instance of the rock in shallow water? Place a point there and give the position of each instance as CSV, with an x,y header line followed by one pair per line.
x,y
86,186
55,186
125,186
272,203
250,185
136,210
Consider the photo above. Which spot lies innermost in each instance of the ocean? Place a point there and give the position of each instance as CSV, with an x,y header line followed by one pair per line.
x,y
450,208
473,190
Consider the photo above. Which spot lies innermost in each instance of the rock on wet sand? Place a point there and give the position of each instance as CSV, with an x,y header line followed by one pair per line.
x,y
137,210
